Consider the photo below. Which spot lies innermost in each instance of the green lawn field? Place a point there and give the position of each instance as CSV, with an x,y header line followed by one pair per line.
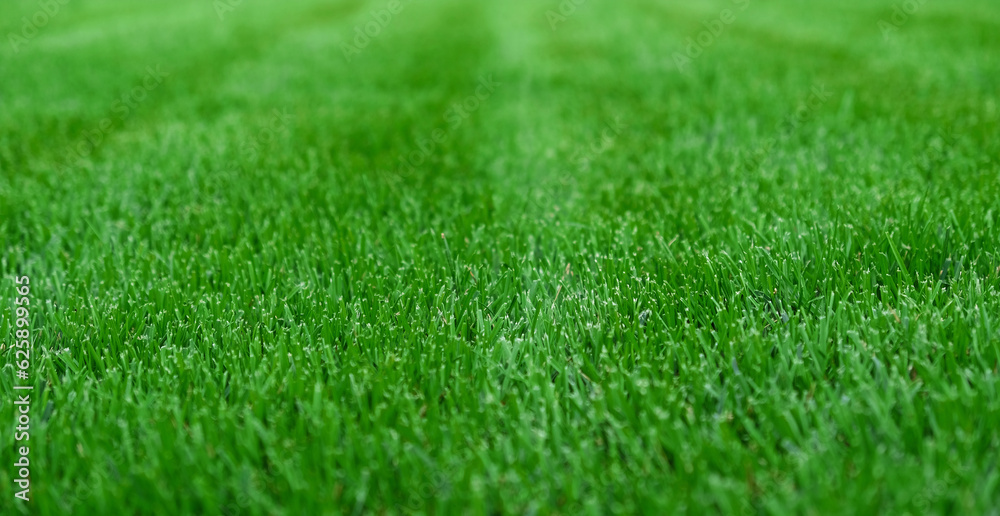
x,y
516,257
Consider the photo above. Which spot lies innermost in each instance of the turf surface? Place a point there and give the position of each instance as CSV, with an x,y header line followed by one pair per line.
x,y
503,257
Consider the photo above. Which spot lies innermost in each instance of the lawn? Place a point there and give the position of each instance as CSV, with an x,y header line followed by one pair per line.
x,y
389,257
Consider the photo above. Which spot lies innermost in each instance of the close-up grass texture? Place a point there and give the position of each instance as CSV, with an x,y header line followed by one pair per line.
x,y
324,257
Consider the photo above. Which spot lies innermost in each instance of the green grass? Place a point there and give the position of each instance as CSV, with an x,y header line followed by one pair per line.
x,y
614,287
